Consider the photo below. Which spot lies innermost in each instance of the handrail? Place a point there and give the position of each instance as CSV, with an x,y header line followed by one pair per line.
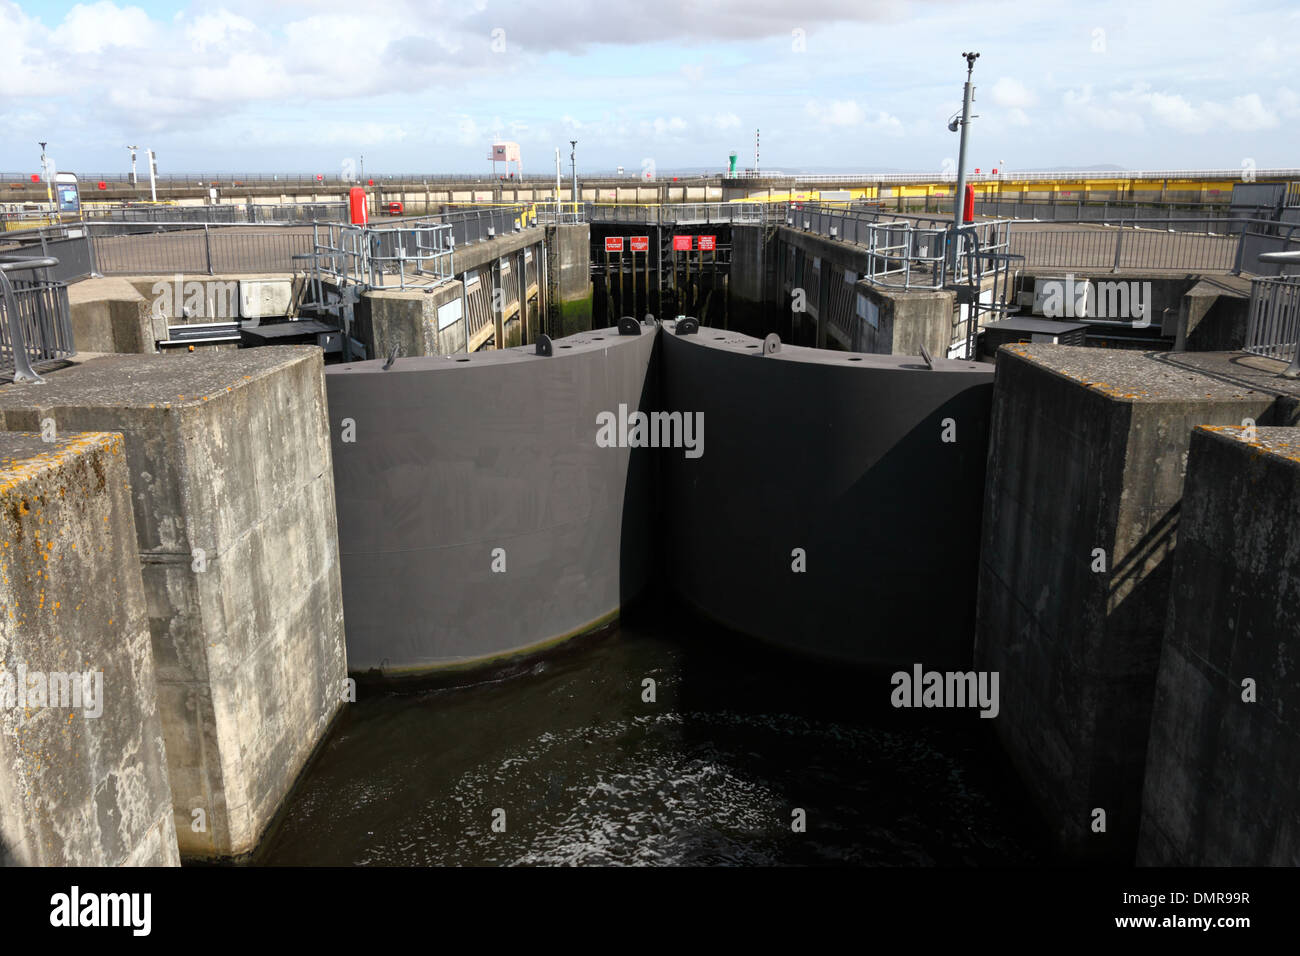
x,y
23,371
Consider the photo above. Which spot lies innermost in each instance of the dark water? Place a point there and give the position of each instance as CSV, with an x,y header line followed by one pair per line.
x,y
710,773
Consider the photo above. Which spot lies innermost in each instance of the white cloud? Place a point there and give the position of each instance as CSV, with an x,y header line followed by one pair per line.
x,y
1245,113
837,113
100,26
849,114
1012,93
216,29
1083,111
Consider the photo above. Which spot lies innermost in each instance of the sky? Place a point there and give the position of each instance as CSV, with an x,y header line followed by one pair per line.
x,y
401,86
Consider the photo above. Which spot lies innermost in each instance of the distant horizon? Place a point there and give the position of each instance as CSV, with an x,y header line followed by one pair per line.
x,y
781,170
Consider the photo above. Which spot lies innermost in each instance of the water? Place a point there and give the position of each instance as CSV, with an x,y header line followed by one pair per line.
x,y
587,772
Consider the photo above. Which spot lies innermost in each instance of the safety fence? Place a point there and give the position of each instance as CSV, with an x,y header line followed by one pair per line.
x,y
377,258
1169,215
406,246
70,247
35,319
906,252
1274,327
225,213
656,214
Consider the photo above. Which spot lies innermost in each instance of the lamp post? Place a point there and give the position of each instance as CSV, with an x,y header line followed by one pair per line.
x,y
959,198
573,164
45,174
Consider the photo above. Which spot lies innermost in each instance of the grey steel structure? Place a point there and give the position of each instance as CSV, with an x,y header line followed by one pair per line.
x,y
35,325
841,455
456,457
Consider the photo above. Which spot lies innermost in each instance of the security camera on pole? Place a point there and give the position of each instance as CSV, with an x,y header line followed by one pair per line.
x,y
959,198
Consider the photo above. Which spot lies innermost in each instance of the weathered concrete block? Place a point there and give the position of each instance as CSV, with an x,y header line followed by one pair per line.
x,y
416,321
83,769
110,315
903,321
1223,772
265,298
1214,315
236,531
1085,475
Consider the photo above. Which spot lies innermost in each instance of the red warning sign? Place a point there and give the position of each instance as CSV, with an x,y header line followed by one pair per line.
x,y
681,243
613,243
639,243
708,243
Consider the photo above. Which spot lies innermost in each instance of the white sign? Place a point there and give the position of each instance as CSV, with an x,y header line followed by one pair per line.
x,y
449,312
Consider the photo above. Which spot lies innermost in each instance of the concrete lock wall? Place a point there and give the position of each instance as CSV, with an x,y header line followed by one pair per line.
x,y
83,772
846,461
1225,731
1085,483
478,516
235,531
571,246
132,314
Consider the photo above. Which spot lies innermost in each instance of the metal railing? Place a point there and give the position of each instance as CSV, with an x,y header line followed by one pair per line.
x,y
225,213
1108,175
906,253
1126,247
372,257
1204,245
1274,327
196,248
35,319
69,245
654,214
218,248
1172,215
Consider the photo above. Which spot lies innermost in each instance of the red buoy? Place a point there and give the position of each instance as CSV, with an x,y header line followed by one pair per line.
x,y
357,206
968,211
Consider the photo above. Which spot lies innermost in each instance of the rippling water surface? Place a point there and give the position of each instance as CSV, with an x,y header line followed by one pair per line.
x,y
587,772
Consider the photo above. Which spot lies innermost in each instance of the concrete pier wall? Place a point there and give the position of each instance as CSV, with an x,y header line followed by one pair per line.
x,y
839,464
83,772
840,311
1224,756
1081,513
478,516
751,307
570,246
426,320
235,533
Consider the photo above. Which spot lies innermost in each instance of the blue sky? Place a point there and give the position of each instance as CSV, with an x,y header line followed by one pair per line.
x,y
309,85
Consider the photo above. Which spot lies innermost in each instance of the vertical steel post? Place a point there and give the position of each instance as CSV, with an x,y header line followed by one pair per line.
x,y
958,199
